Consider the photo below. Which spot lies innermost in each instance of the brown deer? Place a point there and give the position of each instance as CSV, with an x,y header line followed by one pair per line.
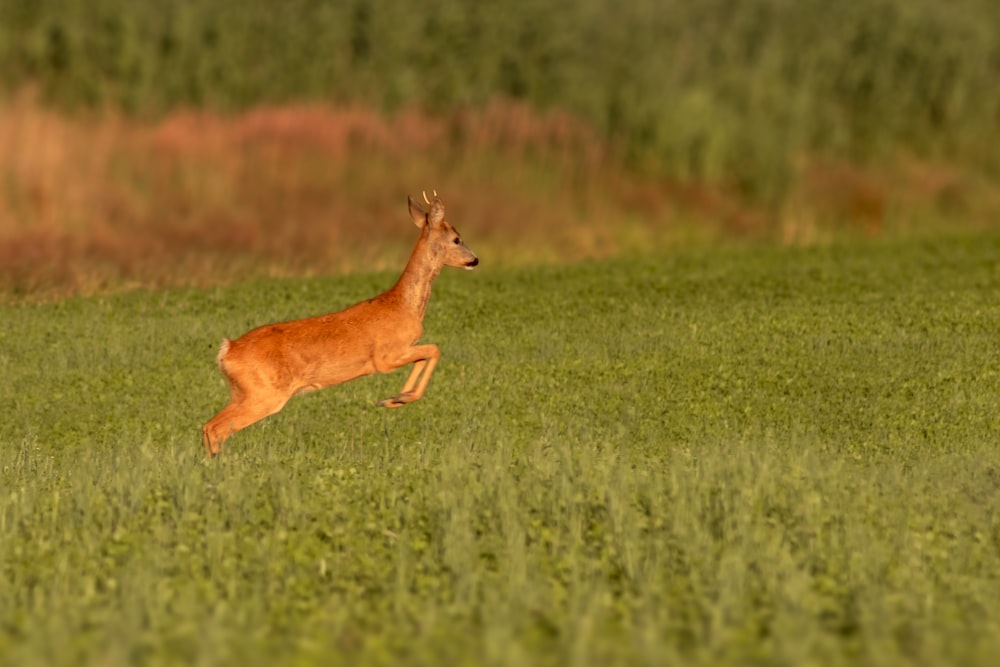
x,y
268,365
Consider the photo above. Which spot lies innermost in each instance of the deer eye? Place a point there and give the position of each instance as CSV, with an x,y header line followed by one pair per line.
x,y
457,241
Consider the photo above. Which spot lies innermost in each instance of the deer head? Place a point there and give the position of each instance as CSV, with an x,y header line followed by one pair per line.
x,y
445,243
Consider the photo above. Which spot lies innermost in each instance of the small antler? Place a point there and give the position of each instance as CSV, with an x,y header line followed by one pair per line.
x,y
425,195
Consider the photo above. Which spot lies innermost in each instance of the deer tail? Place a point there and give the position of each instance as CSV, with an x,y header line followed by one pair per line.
x,y
223,350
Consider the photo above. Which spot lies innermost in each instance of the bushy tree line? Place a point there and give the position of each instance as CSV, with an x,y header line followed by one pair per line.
x,y
715,90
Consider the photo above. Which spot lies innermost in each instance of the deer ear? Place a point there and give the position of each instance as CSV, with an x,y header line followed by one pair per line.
x,y
436,215
417,213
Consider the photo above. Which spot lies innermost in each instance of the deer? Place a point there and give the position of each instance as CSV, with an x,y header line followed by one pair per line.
x,y
270,364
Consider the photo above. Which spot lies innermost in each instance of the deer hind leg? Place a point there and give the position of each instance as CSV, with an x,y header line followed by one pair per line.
x,y
424,358
238,414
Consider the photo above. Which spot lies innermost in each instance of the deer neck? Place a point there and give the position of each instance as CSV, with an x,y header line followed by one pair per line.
x,y
413,289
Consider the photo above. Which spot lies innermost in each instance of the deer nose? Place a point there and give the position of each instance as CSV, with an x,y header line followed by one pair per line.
x,y
473,263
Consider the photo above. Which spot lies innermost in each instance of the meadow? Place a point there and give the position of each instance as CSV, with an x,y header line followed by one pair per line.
x,y
746,455
724,390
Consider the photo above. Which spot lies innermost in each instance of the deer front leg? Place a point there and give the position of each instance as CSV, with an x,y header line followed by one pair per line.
x,y
424,358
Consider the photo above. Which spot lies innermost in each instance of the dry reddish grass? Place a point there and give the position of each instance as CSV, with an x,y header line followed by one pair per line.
x,y
89,204
198,198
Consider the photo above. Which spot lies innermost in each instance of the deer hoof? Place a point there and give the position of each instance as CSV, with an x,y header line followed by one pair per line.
x,y
395,401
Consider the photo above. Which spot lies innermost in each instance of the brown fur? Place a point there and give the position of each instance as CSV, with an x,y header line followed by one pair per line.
x,y
268,365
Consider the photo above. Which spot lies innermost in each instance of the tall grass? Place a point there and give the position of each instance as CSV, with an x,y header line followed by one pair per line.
x,y
200,197
731,93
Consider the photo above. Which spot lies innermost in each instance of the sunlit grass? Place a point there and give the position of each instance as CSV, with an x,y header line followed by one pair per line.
x,y
704,458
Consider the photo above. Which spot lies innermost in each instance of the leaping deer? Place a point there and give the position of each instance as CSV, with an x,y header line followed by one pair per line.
x,y
268,365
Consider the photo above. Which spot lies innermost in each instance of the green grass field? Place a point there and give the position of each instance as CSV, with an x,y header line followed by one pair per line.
x,y
728,457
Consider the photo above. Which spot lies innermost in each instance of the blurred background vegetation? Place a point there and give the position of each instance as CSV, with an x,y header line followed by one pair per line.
x,y
715,89
742,98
